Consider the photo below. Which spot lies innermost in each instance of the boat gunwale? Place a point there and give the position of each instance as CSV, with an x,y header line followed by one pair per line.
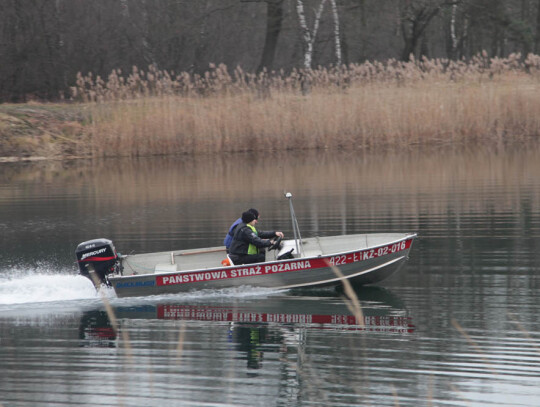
x,y
408,236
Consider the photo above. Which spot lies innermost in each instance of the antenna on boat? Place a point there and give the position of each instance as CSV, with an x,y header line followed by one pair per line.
x,y
296,228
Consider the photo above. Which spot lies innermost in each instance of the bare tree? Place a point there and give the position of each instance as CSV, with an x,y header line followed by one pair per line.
x,y
537,29
309,35
458,29
415,18
274,22
199,64
453,35
337,33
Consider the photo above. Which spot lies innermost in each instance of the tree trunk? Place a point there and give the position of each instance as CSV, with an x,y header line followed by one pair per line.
x,y
337,38
409,47
274,20
537,34
148,51
414,21
199,64
307,35
453,35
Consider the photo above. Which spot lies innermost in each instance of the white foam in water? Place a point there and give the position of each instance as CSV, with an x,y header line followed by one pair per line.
x,y
31,285
45,288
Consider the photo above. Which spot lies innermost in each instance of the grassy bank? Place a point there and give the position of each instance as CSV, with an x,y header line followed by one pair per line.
x,y
360,106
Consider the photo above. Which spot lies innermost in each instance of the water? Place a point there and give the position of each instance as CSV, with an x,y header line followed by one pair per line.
x,y
457,326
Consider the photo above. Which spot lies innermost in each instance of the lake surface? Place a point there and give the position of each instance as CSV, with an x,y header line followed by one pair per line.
x,y
457,326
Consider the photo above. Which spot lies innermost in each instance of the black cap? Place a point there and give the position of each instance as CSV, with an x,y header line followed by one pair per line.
x,y
254,212
248,217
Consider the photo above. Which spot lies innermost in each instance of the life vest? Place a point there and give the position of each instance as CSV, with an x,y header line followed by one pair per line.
x,y
252,249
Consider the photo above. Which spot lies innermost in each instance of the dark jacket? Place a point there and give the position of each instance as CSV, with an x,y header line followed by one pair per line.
x,y
243,236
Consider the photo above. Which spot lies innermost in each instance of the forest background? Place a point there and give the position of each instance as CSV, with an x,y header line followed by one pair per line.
x,y
47,46
45,43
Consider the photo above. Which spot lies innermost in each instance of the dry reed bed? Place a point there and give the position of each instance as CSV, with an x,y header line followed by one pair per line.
x,y
357,106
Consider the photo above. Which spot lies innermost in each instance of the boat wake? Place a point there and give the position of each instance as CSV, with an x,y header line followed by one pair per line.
x,y
41,291
40,288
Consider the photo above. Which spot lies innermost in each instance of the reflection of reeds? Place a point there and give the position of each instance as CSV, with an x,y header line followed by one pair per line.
x,y
356,106
408,185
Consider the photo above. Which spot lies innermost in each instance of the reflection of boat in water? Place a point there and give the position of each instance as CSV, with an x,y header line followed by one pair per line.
x,y
311,262
330,312
95,330
259,327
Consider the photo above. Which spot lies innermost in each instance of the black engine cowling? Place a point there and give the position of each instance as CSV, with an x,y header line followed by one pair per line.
x,y
97,256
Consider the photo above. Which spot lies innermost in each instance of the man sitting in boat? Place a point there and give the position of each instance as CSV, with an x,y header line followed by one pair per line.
x,y
248,243
230,234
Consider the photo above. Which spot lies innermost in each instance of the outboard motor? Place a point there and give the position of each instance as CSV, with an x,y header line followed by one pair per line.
x,y
97,256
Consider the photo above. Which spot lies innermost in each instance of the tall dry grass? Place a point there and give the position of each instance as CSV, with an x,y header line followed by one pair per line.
x,y
355,106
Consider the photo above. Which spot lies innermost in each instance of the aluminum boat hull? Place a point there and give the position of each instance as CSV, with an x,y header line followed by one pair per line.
x,y
362,259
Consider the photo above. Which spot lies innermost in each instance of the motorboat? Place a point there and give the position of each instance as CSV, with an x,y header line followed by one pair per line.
x,y
295,263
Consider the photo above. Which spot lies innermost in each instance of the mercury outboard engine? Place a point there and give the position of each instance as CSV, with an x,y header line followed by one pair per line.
x,y
97,256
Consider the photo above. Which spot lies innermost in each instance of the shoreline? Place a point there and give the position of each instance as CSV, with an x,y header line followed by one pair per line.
x,y
40,131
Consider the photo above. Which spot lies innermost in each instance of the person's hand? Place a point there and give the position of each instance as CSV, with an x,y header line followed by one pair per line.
x,y
280,234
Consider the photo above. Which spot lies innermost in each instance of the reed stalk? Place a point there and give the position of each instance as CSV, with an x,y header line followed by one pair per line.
x,y
350,299
473,344
112,317
524,332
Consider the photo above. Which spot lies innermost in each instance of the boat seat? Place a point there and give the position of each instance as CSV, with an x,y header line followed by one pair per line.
x,y
312,253
311,250
165,268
